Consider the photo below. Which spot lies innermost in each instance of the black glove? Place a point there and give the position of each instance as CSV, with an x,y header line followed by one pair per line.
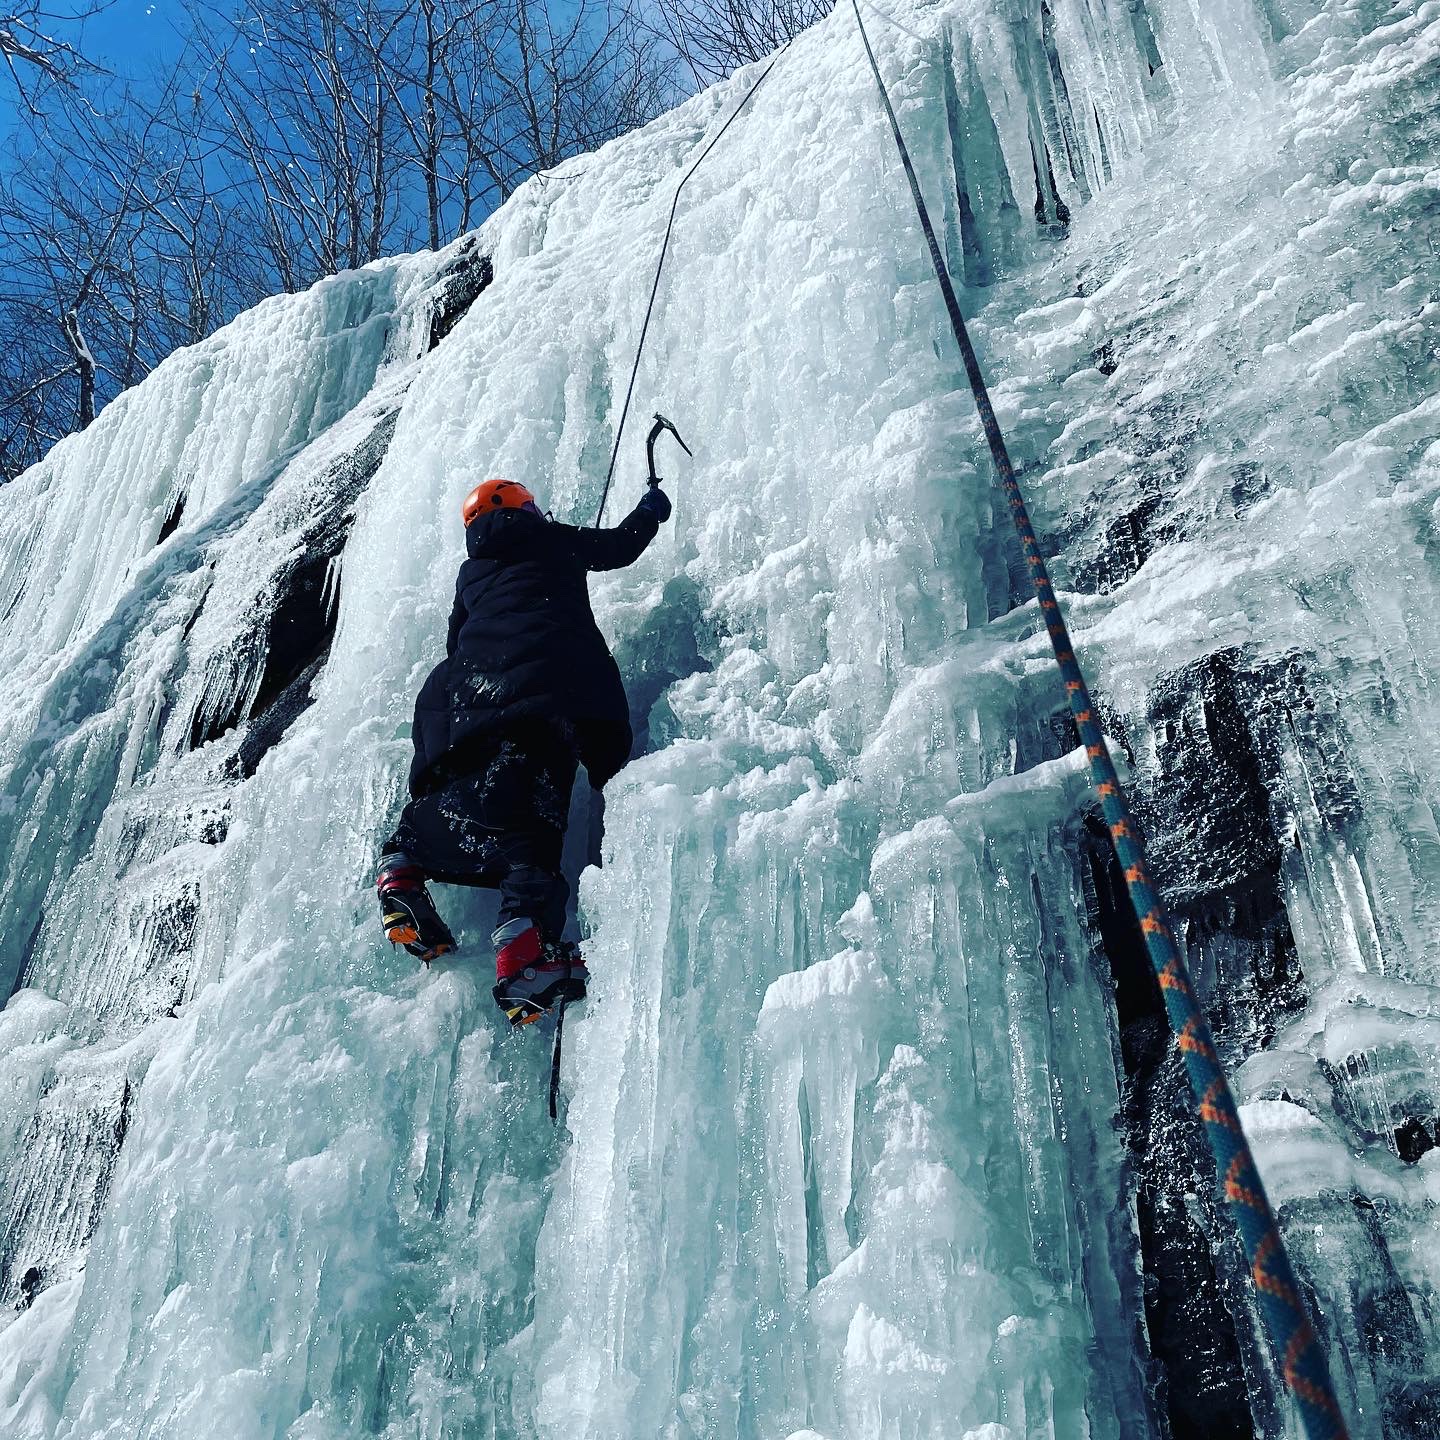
x,y
657,503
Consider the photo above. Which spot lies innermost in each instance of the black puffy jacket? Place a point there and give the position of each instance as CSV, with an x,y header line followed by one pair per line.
x,y
523,648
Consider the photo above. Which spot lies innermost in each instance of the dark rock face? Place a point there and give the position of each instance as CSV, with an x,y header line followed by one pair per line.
x,y
461,283
289,632
1217,810
1195,1363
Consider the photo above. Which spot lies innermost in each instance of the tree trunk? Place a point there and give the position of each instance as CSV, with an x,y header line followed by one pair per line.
x,y
432,130
84,367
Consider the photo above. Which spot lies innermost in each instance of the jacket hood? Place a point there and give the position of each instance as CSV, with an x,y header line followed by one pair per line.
x,y
502,534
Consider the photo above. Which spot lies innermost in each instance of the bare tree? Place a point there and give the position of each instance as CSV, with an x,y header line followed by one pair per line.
x,y
490,92
565,87
289,140
427,50
117,250
299,108
713,37
65,239
34,54
30,371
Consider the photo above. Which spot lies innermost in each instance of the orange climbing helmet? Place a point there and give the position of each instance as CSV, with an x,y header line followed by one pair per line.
x,y
495,495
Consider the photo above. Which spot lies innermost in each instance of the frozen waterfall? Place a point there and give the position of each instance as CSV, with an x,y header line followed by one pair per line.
x,y
872,1128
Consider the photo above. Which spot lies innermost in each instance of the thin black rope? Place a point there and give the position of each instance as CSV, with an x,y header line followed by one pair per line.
x,y
659,270
560,1035
555,1058
620,432
1302,1358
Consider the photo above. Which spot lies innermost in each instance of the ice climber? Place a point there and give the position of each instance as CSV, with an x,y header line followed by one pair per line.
x,y
527,689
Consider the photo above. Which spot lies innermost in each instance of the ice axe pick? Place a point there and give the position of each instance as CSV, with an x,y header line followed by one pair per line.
x,y
662,424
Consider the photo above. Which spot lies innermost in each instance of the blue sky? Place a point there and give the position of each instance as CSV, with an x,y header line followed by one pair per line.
x,y
128,34
127,38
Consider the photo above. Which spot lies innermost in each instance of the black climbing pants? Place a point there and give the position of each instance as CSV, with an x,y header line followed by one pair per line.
x,y
500,826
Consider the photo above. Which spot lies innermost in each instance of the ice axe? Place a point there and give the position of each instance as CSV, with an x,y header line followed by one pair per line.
x,y
661,424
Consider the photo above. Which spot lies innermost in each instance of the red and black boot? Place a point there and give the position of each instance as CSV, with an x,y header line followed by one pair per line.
x,y
534,975
407,912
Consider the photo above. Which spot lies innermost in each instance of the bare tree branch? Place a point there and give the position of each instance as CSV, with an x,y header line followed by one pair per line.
x,y
713,37
34,57
284,142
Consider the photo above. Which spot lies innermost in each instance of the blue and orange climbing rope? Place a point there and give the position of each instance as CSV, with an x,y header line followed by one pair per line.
x,y
1303,1364
1302,1361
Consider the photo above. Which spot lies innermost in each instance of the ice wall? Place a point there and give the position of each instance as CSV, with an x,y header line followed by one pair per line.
x,y
871,1124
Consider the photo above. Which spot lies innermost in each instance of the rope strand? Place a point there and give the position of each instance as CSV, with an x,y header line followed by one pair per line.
x,y
555,1057
1302,1361
659,270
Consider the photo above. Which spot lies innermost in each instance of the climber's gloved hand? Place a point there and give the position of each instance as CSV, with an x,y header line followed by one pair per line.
x,y
657,503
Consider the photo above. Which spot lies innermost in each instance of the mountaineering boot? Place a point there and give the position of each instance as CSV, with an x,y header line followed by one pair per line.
x,y
407,912
532,975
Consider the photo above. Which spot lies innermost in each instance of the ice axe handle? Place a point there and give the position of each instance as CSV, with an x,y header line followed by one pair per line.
x,y
662,424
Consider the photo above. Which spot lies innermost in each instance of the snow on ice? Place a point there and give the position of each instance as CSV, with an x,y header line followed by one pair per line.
x,y
872,1126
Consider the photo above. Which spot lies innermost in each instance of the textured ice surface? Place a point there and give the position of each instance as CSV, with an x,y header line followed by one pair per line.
x,y
872,1127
